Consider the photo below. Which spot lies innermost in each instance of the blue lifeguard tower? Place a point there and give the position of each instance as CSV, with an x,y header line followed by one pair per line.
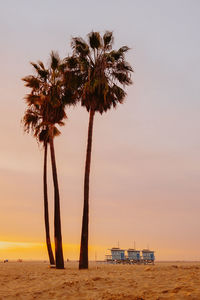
x,y
133,255
148,256
117,254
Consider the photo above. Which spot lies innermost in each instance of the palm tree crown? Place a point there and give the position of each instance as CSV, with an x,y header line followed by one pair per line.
x,y
103,71
46,100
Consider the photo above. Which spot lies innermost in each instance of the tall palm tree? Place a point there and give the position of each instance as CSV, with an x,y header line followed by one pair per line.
x,y
46,103
104,73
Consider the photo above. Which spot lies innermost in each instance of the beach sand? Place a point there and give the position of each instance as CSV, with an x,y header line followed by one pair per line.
x,y
35,280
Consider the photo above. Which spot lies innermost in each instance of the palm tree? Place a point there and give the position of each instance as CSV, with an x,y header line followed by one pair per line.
x,y
46,104
104,73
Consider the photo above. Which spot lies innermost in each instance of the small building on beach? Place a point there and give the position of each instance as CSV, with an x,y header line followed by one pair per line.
x,y
117,254
133,255
148,256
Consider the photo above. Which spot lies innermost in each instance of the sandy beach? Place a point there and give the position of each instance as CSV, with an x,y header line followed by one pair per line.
x,y
35,280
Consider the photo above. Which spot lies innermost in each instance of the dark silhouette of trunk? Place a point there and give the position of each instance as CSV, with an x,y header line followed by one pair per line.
x,y
46,209
57,221
83,261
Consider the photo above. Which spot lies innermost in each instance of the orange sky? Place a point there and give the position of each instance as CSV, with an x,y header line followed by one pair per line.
x,y
145,170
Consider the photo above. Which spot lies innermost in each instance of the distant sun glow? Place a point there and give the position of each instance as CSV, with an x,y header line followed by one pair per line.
x,y
24,250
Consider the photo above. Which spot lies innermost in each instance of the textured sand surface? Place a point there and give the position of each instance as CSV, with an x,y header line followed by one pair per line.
x,y
31,280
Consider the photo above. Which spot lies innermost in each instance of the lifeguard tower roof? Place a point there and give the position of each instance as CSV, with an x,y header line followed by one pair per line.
x,y
133,250
116,249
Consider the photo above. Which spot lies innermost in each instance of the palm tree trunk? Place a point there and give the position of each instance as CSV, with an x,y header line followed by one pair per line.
x,y
83,261
57,221
46,209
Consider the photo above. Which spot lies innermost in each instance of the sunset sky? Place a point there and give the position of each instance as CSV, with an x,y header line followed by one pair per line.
x,y
145,171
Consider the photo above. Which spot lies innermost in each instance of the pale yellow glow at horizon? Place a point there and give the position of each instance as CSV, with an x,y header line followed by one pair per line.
x,y
13,245
25,250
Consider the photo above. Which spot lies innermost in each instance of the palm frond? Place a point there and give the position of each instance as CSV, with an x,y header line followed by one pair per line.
x,y
31,81
124,66
40,70
35,66
54,60
30,120
56,132
122,77
80,46
124,49
40,63
95,40
108,40
118,92
32,99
